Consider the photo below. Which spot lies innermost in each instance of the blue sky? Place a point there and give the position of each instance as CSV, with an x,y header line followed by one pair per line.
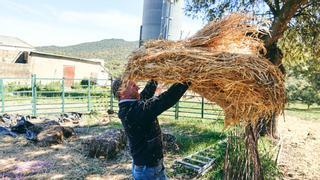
x,y
66,22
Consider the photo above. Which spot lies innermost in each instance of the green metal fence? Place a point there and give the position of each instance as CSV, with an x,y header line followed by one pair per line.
x,y
37,96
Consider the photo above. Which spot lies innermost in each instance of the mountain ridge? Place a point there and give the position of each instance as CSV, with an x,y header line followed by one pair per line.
x,y
113,51
107,49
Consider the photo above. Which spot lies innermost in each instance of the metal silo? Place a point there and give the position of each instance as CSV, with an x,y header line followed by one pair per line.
x,y
151,20
161,19
172,12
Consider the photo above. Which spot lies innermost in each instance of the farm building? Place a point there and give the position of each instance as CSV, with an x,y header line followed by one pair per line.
x,y
20,61
10,48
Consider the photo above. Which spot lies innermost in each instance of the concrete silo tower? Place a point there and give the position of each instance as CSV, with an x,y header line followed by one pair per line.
x,y
161,19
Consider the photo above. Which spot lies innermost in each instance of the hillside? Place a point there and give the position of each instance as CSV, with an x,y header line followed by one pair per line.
x,y
113,51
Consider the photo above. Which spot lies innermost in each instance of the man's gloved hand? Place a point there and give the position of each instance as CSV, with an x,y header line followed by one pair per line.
x,y
153,81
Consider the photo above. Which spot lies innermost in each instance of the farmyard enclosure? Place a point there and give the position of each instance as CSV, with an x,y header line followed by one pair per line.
x,y
252,110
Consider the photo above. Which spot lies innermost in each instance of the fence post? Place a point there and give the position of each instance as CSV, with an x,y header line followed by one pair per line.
x,y
2,95
34,94
111,96
202,107
89,94
176,114
62,95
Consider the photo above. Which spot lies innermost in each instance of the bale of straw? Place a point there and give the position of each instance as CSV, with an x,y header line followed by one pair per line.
x,y
54,134
224,63
106,145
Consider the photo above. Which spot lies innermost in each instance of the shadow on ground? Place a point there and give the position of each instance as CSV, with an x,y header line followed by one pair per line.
x,y
20,158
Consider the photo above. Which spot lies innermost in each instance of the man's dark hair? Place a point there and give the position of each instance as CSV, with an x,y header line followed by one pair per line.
x,y
116,84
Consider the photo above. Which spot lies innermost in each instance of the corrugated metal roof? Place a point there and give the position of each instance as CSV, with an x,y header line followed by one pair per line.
x,y
13,42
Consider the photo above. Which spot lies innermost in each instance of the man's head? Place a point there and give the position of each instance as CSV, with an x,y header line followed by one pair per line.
x,y
125,90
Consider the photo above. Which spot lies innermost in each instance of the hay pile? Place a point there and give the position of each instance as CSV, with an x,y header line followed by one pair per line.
x,y
106,145
223,63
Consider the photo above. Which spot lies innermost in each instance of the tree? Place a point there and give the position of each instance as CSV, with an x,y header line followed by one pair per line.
x,y
318,99
283,14
308,95
309,71
292,93
301,47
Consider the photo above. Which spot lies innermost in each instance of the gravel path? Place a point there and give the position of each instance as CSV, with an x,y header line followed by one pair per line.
x,y
300,154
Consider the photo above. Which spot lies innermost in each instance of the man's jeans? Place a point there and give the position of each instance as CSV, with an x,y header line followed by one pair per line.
x,y
148,173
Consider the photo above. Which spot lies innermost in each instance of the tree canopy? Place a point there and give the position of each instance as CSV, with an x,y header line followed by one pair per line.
x,y
283,14
294,35
294,28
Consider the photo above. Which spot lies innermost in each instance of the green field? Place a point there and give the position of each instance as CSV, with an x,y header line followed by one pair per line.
x,y
301,111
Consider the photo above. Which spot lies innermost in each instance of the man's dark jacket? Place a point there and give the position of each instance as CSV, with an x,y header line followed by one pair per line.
x,y
141,125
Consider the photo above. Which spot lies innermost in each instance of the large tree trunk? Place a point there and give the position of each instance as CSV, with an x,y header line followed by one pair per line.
x,y
279,26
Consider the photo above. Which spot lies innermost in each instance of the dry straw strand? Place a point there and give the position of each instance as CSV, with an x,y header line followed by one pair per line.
x,y
225,65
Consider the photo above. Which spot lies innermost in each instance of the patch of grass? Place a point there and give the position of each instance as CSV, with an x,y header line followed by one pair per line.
x,y
239,158
194,134
267,150
270,168
217,171
302,111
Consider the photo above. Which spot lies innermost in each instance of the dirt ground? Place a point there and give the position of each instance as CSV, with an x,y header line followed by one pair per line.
x,y
300,155
19,159
22,159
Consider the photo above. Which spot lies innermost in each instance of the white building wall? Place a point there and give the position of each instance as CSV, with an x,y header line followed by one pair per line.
x,y
8,54
45,67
